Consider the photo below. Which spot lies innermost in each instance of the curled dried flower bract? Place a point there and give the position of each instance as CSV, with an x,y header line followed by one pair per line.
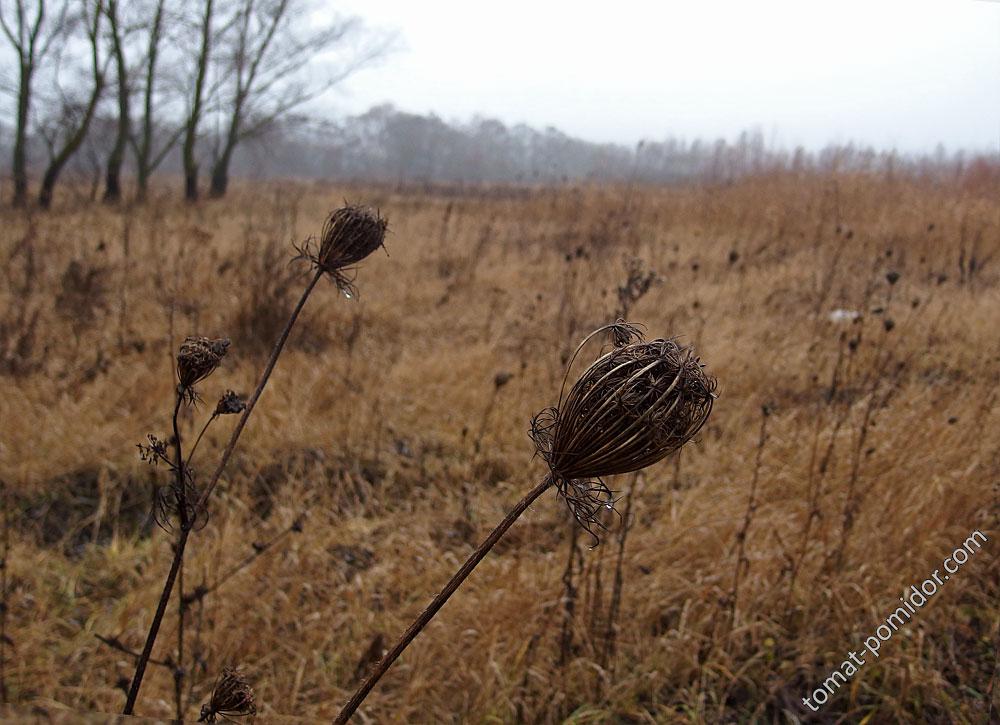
x,y
167,504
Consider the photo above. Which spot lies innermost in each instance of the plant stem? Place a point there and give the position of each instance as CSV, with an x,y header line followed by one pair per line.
x,y
422,620
198,439
185,524
179,669
3,593
272,361
168,584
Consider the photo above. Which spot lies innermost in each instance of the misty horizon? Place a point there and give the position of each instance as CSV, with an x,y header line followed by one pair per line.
x,y
904,76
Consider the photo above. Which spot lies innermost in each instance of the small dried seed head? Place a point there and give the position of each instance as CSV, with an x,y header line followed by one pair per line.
x,y
633,406
230,404
198,358
350,234
232,697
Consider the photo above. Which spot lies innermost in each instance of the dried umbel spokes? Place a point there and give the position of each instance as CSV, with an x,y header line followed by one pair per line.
x,y
633,406
230,404
232,697
198,358
155,452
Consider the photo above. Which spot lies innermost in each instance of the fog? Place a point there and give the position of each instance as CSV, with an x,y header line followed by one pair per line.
x,y
905,75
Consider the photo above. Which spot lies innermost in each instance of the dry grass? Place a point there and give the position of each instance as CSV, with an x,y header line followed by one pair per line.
x,y
880,456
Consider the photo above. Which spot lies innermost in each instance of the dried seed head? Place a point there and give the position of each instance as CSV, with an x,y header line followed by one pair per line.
x,y
232,697
632,407
350,234
230,404
198,358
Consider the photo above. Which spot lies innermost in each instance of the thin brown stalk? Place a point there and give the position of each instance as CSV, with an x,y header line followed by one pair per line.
x,y
204,428
742,563
183,514
456,581
116,644
202,591
179,669
3,593
569,596
185,529
611,631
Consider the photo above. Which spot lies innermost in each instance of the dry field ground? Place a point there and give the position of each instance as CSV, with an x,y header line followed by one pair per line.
x,y
754,562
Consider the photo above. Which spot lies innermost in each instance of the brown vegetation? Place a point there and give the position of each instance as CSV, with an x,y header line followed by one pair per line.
x,y
753,563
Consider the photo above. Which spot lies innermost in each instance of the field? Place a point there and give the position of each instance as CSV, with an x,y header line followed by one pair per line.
x,y
844,459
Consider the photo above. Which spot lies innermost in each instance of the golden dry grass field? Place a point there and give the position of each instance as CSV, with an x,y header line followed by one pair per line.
x,y
754,562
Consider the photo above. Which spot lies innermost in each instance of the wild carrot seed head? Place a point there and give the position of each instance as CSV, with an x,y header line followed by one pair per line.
x,y
350,234
230,404
198,358
632,407
232,697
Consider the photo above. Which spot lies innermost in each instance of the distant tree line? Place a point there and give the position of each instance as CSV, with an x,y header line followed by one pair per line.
x,y
389,145
115,90
106,82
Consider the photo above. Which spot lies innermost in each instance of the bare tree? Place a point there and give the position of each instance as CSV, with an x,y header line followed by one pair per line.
x,y
32,34
69,130
196,102
144,139
266,45
112,179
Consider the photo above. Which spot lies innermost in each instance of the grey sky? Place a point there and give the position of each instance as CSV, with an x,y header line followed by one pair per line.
x,y
892,73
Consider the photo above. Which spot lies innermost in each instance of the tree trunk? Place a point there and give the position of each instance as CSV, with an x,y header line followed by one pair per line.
x,y
141,184
112,188
190,181
49,185
72,144
220,173
191,132
20,161
112,181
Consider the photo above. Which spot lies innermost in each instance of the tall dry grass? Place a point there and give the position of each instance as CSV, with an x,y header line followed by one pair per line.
x,y
880,453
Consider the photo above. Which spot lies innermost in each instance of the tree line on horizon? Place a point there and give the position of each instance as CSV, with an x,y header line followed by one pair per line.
x,y
114,90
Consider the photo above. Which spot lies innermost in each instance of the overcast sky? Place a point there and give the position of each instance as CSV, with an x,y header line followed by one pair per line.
x,y
905,74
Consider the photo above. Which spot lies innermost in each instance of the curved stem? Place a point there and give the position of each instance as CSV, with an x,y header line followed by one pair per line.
x,y
175,565
272,361
198,439
425,616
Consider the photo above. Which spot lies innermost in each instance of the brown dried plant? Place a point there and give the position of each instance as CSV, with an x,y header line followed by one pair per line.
x,y
633,406
349,235
231,697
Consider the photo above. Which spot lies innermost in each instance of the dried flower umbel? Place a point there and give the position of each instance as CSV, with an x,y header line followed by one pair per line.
x,y
349,235
633,406
197,359
232,697
230,404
